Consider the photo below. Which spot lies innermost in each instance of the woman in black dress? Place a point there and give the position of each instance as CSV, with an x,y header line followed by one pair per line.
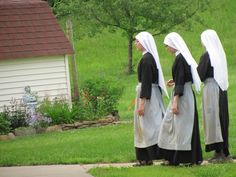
x,y
149,108
213,72
179,138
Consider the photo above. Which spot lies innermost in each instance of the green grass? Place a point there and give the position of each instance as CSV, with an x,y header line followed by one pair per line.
x,y
219,170
102,144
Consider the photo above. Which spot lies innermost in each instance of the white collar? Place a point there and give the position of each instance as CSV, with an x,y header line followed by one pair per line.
x,y
177,53
144,52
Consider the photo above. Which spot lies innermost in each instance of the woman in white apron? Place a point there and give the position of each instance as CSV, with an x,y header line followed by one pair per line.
x,y
213,72
179,138
149,108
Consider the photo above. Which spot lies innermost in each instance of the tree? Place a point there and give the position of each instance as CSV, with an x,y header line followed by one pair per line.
x,y
131,16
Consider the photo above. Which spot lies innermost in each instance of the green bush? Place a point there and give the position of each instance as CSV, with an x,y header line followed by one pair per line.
x,y
4,124
16,114
58,110
38,120
82,110
97,98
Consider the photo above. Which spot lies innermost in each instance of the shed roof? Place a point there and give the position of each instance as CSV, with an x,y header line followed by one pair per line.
x,y
28,28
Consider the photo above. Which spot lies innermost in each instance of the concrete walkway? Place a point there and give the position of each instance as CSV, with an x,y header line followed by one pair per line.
x,y
44,171
55,170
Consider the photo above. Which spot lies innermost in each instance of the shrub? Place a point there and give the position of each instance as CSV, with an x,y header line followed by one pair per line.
x,y
37,120
16,114
97,98
4,124
58,110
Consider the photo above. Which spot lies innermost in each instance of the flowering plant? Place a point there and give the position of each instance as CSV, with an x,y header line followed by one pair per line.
x,y
37,120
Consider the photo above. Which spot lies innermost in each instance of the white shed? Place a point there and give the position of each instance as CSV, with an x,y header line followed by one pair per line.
x,y
33,51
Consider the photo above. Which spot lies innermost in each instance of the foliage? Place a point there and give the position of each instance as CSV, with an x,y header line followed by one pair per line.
x,y
83,110
4,124
133,16
141,15
16,114
98,98
58,110
37,120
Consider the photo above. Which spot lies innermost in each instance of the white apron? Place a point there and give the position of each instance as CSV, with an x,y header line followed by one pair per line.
x,y
146,128
210,110
176,130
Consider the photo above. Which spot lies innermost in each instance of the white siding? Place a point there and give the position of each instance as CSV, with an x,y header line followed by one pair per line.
x,y
47,76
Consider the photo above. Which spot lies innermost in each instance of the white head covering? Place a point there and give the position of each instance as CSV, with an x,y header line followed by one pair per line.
x,y
175,41
217,55
148,43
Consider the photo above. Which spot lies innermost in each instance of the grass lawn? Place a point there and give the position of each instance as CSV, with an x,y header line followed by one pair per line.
x,y
93,145
219,170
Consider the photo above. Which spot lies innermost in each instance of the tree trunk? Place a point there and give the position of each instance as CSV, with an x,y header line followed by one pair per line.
x,y
75,95
130,55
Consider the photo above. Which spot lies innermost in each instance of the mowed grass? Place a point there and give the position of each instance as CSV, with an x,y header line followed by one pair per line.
x,y
217,170
93,145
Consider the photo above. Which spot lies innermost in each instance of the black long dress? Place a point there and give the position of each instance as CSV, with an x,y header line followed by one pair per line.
x,y
181,73
205,70
147,75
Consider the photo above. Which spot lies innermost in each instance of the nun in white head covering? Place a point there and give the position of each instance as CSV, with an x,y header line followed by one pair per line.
x,y
213,72
179,138
149,108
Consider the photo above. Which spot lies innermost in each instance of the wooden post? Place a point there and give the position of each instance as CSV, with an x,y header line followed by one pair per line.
x,y
130,56
69,29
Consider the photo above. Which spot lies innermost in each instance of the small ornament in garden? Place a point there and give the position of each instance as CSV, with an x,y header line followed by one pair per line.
x,y
29,100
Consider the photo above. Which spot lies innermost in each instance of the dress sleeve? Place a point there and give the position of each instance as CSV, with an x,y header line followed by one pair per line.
x,y
179,76
146,80
203,67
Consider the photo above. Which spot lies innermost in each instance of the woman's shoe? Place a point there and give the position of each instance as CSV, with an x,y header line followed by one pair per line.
x,y
217,158
150,162
140,163
227,159
169,163
166,163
